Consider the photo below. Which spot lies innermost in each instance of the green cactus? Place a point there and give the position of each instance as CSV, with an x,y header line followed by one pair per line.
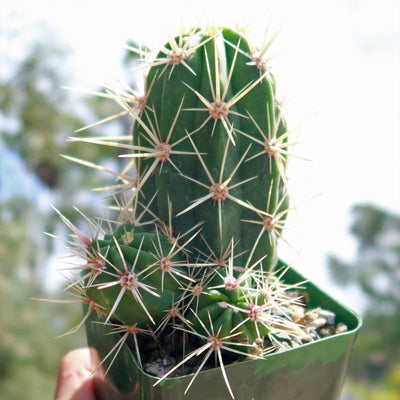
x,y
209,146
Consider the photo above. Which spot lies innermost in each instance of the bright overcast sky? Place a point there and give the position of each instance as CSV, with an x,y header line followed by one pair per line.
x,y
340,66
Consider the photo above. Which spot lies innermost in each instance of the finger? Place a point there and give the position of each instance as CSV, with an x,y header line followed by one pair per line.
x,y
75,381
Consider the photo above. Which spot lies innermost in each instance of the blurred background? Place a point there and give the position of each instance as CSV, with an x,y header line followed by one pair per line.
x,y
339,74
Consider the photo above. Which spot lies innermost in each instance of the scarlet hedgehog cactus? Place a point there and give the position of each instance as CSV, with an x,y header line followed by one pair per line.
x,y
191,258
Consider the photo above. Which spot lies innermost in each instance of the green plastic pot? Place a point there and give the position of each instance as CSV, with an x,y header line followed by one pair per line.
x,y
314,371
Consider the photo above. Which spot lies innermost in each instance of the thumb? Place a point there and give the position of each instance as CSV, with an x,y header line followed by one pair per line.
x,y
75,380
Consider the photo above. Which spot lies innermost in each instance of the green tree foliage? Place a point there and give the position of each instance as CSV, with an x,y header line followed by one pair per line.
x,y
37,116
29,350
376,271
32,96
377,266
40,114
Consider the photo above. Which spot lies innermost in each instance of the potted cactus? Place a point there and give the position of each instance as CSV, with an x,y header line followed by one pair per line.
x,y
184,293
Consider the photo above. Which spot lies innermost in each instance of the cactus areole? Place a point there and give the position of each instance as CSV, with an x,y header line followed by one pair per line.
x,y
189,269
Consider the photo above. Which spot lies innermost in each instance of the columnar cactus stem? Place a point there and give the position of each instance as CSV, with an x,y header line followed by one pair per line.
x,y
224,110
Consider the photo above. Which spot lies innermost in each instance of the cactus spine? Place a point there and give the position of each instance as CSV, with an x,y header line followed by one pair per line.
x,y
197,254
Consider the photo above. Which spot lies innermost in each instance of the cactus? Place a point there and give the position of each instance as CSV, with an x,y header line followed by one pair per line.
x,y
193,252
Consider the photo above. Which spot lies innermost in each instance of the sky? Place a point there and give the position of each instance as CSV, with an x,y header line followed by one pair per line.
x,y
339,70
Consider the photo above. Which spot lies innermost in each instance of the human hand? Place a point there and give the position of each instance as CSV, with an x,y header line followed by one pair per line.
x,y
75,379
